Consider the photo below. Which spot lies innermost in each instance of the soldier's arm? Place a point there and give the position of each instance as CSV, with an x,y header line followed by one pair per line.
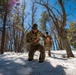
x,y
51,39
42,35
28,40
36,40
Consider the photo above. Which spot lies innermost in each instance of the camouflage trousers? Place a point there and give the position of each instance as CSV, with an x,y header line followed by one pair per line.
x,y
28,45
49,51
33,49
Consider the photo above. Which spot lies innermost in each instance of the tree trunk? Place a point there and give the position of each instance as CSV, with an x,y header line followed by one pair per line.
x,y
67,47
16,44
21,43
60,44
64,40
3,33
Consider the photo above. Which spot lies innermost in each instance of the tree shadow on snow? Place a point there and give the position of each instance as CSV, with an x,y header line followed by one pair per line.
x,y
45,68
9,67
58,56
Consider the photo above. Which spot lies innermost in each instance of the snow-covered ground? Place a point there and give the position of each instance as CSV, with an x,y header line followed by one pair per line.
x,y
17,64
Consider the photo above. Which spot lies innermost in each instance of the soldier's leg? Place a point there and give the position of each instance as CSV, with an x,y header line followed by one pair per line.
x,y
28,45
31,53
49,52
42,53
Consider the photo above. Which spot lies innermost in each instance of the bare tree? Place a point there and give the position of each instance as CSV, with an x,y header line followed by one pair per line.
x,y
33,14
58,22
5,10
6,6
22,24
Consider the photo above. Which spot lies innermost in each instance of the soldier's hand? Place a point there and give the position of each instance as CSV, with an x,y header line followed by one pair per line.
x,y
47,40
35,40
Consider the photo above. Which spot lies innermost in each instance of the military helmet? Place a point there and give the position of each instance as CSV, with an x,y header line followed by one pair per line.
x,y
34,27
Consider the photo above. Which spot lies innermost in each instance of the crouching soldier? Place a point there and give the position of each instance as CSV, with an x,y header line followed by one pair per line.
x,y
48,43
33,38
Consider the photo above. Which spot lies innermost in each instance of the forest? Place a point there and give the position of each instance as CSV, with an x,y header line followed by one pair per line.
x,y
58,17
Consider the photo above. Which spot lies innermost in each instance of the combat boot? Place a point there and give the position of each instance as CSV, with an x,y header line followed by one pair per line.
x,y
41,61
30,59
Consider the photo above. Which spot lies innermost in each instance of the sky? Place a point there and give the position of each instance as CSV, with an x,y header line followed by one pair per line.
x,y
71,14
28,10
67,6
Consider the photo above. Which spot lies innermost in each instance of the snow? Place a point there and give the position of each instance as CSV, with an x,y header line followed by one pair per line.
x,y
17,64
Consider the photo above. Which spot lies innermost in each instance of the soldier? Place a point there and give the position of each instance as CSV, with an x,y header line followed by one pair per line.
x,y
32,38
48,43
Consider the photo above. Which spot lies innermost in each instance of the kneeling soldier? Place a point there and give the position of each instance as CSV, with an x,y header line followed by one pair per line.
x,y
33,38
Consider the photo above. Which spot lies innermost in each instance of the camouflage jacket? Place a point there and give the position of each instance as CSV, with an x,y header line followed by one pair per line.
x,y
48,41
30,37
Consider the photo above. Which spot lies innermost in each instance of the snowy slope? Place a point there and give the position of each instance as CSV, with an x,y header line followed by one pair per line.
x,y
17,64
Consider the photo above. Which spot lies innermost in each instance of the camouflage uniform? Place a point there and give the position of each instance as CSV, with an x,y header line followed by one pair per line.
x,y
34,46
48,44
